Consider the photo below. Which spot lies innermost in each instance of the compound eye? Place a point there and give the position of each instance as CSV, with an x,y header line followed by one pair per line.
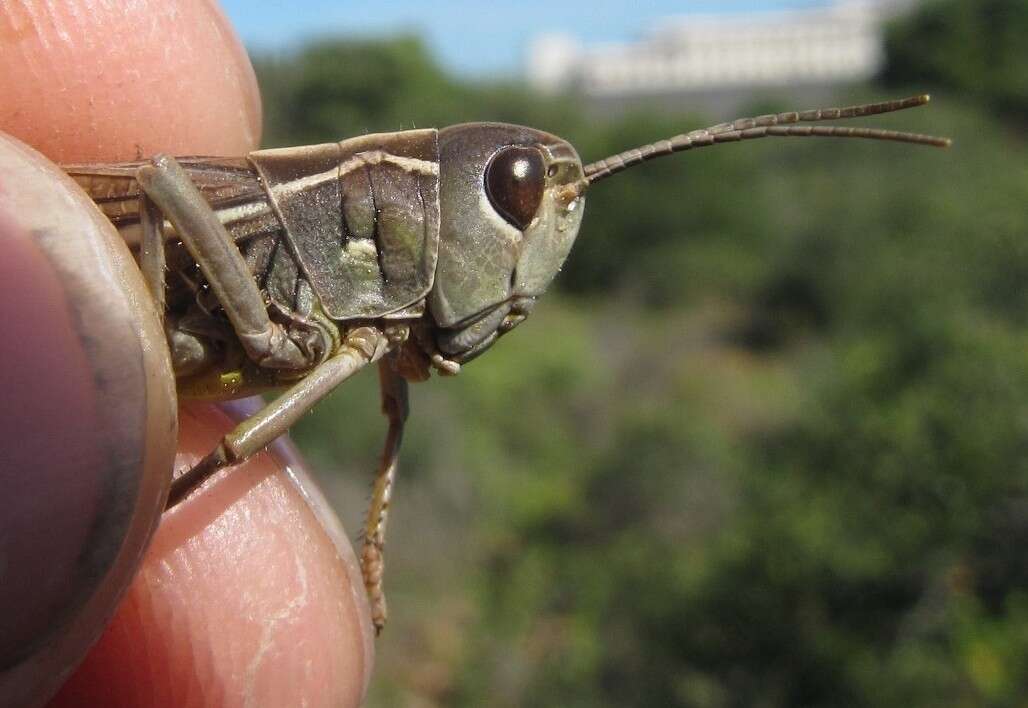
x,y
514,181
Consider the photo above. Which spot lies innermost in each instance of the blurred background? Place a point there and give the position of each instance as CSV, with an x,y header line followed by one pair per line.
x,y
766,442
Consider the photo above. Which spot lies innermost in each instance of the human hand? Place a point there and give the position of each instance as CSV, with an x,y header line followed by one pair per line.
x,y
249,594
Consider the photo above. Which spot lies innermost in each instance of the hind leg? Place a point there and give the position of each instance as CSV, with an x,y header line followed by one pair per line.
x,y
266,343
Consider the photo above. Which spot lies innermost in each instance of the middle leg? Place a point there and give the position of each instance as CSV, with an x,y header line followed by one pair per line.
x,y
360,347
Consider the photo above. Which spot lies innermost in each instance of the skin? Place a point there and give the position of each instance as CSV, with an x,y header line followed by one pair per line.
x,y
249,592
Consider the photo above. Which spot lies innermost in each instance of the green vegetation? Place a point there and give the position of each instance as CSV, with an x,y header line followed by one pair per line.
x,y
974,46
767,444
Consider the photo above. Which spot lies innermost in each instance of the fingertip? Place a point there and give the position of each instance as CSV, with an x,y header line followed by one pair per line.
x,y
87,428
88,81
243,599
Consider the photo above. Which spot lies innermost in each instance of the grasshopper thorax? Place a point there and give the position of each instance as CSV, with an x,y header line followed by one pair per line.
x,y
507,222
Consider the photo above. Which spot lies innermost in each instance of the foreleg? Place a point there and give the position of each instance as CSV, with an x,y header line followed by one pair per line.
x,y
395,407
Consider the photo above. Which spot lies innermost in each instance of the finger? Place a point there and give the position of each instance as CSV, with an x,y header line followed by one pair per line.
x,y
243,599
171,78
87,427
89,81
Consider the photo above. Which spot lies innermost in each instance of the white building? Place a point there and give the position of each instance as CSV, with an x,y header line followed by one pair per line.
x,y
824,46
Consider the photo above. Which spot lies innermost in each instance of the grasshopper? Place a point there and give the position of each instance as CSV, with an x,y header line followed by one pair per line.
x,y
416,250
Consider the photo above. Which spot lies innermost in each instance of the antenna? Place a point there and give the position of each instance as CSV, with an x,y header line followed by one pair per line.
x,y
777,125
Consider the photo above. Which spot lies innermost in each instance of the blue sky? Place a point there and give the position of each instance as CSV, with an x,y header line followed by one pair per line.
x,y
473,38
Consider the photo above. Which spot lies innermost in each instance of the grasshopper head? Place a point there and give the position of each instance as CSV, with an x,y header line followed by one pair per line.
x,y
511,201
509,212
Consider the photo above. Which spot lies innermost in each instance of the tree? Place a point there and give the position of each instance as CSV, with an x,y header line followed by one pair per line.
x,y
973,46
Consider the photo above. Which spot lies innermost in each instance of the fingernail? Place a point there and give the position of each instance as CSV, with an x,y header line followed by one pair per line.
x,y
83,434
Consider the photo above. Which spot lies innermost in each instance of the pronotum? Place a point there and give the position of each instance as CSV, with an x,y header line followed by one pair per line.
x,y
416,250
